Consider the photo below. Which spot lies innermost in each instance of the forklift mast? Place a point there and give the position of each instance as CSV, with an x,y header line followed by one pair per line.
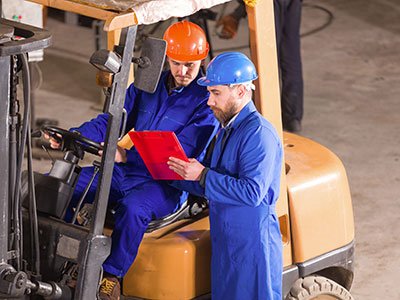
x,y
16,279
15,41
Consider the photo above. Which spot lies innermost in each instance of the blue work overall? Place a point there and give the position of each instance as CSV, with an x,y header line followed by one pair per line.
x,y
134,195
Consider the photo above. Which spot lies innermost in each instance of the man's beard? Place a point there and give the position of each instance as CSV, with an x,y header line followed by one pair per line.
x,y
183,80
224,116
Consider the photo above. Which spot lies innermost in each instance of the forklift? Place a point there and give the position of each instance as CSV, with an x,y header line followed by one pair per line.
x,y
41,254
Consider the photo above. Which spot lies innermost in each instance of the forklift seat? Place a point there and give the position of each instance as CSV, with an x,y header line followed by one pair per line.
x,y
190,208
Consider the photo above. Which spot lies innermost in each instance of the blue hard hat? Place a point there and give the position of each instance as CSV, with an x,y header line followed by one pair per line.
x,y
229,68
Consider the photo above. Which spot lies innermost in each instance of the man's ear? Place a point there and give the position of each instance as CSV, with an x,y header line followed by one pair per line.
x,y
241,90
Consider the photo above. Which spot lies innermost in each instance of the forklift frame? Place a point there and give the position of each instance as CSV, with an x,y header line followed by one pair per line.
x,y
333,263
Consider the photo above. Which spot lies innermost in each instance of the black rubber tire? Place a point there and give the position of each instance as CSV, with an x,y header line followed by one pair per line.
x,y
317,287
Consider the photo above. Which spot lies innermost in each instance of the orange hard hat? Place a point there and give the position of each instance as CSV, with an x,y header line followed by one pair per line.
x,y
186,41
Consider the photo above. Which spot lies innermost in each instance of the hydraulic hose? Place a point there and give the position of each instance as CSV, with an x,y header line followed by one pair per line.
x,y
13,141
26,136
25,124
32,209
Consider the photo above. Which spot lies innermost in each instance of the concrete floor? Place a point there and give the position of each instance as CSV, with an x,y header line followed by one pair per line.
x,y
352,88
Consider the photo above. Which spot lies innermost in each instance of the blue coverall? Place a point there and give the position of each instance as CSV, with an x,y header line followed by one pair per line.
x,y
242,186
135,196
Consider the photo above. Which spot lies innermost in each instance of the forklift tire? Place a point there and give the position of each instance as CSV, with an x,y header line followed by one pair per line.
x,y
318,287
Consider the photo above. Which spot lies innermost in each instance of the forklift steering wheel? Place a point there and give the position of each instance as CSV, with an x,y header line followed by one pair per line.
x,y
86,144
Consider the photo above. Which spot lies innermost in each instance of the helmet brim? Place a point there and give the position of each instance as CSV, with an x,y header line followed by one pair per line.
x,y
203,81
183,57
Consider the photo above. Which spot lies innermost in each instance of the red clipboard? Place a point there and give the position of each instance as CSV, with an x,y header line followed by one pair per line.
x,y
155,148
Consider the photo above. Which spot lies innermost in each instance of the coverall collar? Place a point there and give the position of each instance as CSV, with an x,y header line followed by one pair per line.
x,y
235,122
247,110
230,121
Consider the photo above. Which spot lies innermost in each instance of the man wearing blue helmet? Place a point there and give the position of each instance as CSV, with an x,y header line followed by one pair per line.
x,y
241,183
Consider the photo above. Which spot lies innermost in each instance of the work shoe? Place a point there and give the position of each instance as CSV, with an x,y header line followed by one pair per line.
x,y
110,288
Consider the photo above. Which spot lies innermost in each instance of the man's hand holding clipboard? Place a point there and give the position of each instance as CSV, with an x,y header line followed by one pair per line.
x,y
156,148
188,170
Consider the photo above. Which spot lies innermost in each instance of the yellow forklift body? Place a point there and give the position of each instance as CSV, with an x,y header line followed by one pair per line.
x,y
172,263
321,213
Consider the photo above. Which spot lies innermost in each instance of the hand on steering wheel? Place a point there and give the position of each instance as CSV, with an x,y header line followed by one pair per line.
x,y
54,140
59,136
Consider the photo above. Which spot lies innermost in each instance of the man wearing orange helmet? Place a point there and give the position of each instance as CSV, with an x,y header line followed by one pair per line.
x,y
179,104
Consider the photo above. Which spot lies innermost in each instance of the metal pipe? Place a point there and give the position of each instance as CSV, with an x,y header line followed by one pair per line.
x,y
96,247
78,206
4,157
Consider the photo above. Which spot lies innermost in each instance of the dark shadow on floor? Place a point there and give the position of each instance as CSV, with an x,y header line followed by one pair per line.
x,y
379,13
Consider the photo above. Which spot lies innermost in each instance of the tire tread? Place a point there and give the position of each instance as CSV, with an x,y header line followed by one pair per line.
x,y
309,287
